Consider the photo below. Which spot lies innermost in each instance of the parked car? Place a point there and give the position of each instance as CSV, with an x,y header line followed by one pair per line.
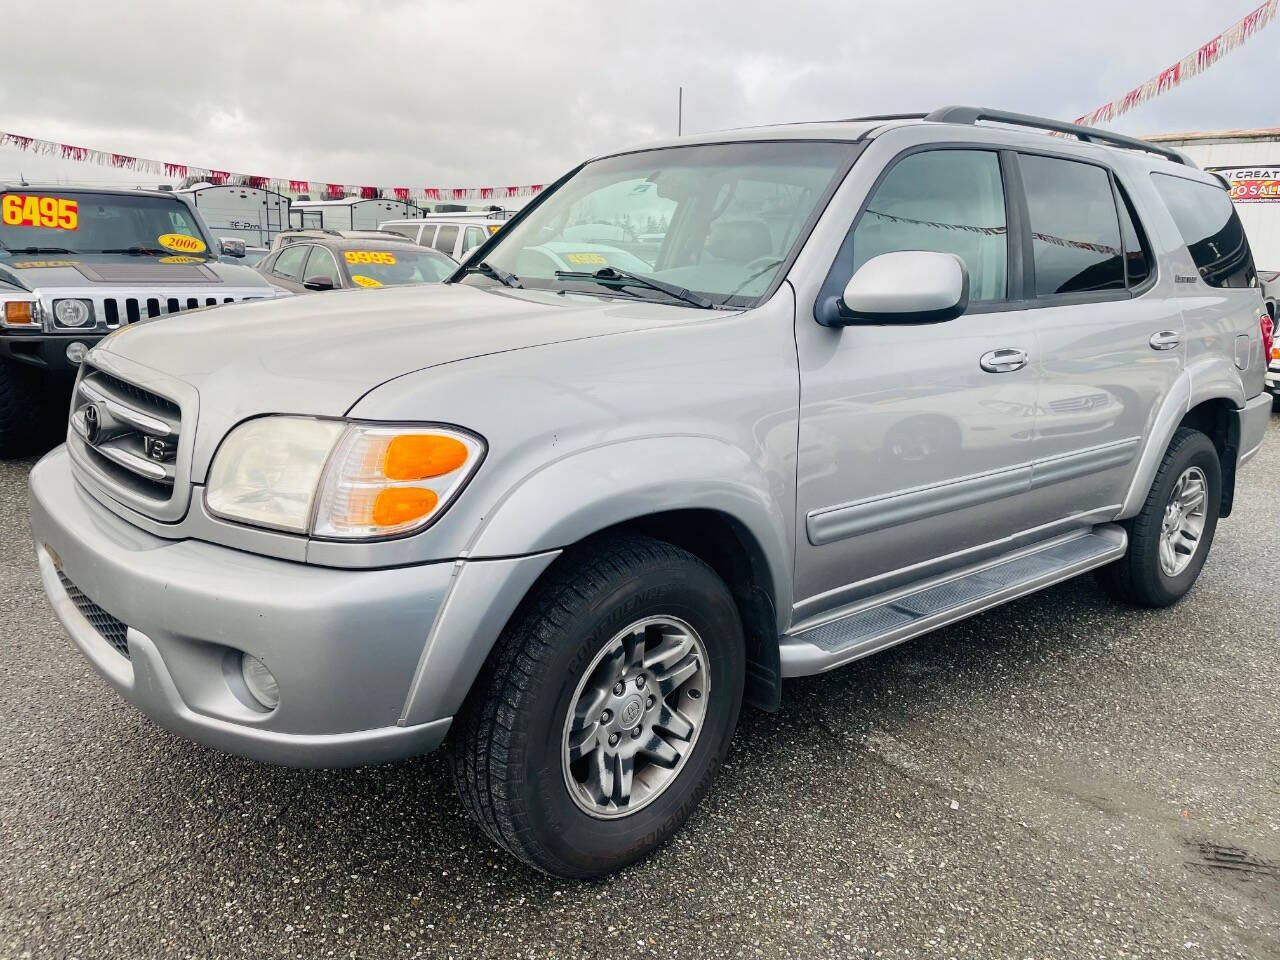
x,y
286,237
570,520
77,263
456,234
337,263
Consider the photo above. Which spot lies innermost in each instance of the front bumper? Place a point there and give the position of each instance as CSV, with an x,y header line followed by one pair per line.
x,y
46,350
344,645
1273,378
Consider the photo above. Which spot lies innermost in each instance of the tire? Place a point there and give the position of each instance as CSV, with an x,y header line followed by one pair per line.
x,y
20,399
508,743
1139,577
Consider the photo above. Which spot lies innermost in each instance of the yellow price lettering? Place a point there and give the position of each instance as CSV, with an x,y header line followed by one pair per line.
x,y
28,210
370,256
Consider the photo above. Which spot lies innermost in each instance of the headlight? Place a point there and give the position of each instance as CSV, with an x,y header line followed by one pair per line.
x,y
72,313
339,480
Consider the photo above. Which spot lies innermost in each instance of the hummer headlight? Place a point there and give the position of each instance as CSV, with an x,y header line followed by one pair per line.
x,y
339,480
72,313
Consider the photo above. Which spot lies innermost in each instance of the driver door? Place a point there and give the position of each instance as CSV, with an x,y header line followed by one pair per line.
x,y
912,457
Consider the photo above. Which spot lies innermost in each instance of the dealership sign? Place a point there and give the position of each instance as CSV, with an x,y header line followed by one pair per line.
x,y
1252,184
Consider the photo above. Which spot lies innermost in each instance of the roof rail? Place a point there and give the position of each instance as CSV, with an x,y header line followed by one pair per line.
x,y
885,116
969,115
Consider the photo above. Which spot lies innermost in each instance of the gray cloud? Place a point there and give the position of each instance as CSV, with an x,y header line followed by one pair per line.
x,y
406,93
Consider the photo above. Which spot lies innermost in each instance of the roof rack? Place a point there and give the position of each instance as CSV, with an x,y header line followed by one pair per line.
x,y
969,115
885,116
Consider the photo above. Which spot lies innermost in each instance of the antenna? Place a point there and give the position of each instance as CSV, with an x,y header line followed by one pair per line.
x,y
679,111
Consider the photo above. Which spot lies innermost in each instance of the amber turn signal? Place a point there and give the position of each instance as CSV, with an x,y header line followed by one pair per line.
x,y
417,456
19,313
397,505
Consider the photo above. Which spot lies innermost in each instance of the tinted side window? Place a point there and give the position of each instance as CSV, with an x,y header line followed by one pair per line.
x,y
1137,255
1211,230
289,263
949,201
474,237
446,238
321,265
1075,235
428,234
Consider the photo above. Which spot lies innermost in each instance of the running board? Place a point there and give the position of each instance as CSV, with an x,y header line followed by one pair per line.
x,y
943,600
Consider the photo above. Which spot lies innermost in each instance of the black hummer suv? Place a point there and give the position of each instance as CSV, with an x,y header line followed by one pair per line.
x,y
76,264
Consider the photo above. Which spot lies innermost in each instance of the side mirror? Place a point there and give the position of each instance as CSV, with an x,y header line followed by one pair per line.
x,y
909,286
231,247
319,283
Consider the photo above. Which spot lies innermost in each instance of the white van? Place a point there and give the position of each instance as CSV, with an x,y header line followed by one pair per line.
x,y
456,234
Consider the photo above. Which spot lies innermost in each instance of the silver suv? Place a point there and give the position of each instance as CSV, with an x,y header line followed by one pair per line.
x,y
569,510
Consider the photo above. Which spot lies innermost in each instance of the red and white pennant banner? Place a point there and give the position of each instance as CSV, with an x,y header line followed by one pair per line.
x,y
324,189
1193,63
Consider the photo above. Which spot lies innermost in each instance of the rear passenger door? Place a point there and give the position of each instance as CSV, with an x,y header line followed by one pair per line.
x,y
1110,331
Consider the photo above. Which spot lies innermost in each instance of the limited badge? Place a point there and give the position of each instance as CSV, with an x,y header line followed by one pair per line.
x,y
364,281
33,210
593,258
181,243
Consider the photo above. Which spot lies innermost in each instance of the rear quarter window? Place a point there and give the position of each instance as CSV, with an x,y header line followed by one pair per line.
x,y
1210,228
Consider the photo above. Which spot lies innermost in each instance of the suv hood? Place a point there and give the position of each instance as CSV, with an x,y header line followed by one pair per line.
x,y
319,354
97,271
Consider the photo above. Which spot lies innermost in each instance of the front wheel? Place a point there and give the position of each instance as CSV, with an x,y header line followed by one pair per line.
x,y
1169,539
605,710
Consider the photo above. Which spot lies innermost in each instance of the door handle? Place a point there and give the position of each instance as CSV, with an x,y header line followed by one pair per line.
x,y
1165,340
1004,360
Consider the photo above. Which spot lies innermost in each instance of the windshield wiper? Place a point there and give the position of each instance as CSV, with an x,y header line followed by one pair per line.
x,y
137,251
39,250
613,277
489,270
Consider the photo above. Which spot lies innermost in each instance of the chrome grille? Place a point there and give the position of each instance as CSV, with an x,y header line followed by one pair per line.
x,y
109,628
111,312
129,433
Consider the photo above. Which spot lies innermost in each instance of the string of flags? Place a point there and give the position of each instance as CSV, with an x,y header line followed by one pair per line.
x,y
1200,60
316,189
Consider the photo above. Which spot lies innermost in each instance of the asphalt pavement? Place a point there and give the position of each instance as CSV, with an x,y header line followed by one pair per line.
x,y
1061,777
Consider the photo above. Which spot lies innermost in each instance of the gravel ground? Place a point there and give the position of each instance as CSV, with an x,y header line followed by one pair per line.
x,y
1059,778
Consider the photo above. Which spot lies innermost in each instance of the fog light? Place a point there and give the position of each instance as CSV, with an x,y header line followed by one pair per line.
x,y
72,313
76,351
260,681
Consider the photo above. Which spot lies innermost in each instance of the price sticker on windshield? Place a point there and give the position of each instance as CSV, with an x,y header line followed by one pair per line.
x,y
364,281
32,210
370,256
584,258
181,243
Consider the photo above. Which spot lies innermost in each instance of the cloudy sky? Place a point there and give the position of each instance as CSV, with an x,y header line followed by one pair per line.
x,y
446,93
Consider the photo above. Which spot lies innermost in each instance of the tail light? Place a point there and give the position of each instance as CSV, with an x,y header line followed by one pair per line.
x,y
1268,335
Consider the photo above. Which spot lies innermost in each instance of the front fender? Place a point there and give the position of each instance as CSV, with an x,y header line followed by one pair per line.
x,y
563,502
569,499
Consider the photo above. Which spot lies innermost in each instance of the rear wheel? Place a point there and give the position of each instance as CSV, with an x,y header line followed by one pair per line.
x,y
605,710
1169,539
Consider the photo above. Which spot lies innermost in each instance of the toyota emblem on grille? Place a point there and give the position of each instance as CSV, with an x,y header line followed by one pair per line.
x,y
92,422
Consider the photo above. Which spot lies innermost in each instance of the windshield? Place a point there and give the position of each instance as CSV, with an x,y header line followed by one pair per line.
x,y
387,268
719,220
52,222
